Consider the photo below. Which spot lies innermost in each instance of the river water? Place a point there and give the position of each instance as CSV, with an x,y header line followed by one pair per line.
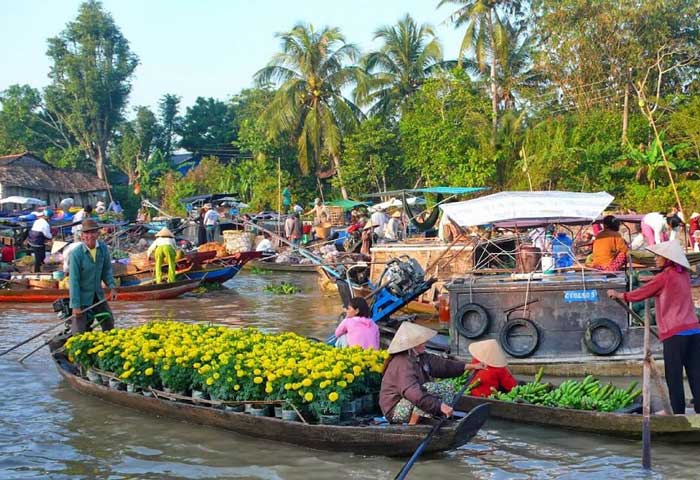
x,y
48,430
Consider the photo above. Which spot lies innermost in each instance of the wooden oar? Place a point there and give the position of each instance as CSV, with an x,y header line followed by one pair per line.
x,y
424,444
49,329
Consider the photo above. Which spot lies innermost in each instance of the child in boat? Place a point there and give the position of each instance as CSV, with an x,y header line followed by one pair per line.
x,y
496,376
678,326
408,388
357,329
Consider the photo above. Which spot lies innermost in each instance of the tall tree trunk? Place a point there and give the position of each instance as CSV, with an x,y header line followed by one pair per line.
x,y
494,89
100,162
336,163
625,111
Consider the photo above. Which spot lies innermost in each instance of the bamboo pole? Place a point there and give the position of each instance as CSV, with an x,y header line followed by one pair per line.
x,y
646,393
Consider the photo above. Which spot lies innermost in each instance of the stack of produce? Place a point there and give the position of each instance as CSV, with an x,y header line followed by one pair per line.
x,y
221,250
588,394
232,364
238,241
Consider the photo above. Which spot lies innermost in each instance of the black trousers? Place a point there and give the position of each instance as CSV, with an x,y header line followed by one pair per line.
x,y
83,322
39,256
682,351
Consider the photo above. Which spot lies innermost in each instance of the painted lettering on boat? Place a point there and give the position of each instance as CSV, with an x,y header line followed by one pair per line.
x,y
571,296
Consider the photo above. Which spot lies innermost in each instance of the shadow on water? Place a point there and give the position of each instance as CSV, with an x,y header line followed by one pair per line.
x,y
48,430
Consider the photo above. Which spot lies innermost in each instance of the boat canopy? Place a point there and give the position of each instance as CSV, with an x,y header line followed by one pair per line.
x,y
546,206
441,190
22,200
346,204
397,203
209,198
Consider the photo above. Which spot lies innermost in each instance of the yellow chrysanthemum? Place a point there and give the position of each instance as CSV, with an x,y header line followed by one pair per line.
x,y
333,396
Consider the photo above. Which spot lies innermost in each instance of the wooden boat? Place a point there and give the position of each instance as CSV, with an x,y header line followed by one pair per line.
x,y
138,293
671,428
213,274
282,267
389,440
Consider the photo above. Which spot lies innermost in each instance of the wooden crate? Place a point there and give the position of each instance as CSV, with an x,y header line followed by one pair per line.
x,y
336,216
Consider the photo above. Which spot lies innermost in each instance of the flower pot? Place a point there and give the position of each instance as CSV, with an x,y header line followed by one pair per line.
x,y
199,395
290,415
368,404
247,407
94,377
263,411
278,412
105,379
234,408
147,393
131,388
329,419
349,410
116,384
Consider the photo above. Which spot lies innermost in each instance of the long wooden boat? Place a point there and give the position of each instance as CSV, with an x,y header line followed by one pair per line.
x,y
282,267
671,428
388,440
213,275
138,293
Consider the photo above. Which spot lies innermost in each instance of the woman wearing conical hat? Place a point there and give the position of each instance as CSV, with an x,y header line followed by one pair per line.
x,y
676,322
163,248
407,383
496,376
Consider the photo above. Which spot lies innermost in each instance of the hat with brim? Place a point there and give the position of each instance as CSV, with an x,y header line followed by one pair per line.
x,y
89,225
409,335
488,352
58,246
165,232
671,250
396,214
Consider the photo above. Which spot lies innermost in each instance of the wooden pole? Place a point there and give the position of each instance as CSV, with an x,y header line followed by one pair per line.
x,y
646,393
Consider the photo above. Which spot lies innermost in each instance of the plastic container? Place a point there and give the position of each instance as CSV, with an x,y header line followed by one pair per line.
x,y
58,275
547,264
444,308
561,251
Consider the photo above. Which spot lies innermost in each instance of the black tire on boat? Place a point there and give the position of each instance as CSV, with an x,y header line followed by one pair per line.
x,y
472,320
603,336
519,337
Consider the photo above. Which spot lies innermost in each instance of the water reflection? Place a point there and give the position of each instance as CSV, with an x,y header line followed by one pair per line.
x,y
48,430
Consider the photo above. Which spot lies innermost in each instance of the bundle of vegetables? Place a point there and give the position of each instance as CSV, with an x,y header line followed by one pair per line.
x,y
458,382
232,364
588,394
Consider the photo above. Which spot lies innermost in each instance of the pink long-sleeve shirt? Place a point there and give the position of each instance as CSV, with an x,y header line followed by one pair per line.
x,y
675,312
360,331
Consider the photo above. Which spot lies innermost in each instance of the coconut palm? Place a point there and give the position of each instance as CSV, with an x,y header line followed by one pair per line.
x,y
311,71
484,27
408,54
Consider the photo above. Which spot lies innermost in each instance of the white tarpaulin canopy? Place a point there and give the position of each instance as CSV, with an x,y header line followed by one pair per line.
x,y
527,205
23,200
394,202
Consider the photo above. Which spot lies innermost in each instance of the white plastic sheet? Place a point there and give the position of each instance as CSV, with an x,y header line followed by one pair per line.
x,y
504,206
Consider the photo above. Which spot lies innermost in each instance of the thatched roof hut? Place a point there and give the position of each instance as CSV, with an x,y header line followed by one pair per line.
x,y
27,175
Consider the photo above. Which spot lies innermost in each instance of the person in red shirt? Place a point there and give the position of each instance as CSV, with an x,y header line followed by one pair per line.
x,y
677,324
496,376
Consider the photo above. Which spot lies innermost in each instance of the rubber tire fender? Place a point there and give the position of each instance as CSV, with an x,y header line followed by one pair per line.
x,y
523,323
608,324
483,320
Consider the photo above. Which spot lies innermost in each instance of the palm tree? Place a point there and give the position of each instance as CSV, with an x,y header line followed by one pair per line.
x,y
484,27
408,54
311,71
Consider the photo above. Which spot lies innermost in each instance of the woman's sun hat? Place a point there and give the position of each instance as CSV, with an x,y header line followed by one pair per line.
x,y
488,352
58,246
165,232
671,250
409,335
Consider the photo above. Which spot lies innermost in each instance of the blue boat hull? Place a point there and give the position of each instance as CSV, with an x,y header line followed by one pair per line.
x,y
214,276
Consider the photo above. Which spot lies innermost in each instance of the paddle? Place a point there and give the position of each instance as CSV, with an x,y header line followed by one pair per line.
x,y
424,444
50,328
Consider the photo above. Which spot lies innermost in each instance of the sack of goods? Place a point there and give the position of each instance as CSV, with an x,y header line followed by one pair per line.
x,y
237,241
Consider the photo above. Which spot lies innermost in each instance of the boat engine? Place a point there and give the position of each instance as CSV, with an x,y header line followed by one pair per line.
x,y
402,275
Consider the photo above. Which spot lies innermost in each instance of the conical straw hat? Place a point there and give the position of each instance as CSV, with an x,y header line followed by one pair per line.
x,y
409,335
488,352
165,232
57,246
671,250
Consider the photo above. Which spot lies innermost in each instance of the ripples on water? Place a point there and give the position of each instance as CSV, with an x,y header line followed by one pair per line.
x,y
49,431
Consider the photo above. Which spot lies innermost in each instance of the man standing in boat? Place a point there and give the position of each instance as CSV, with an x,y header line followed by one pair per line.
x,y
89,266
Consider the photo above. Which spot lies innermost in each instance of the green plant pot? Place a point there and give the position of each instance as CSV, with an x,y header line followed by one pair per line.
x,y
199,395
94,377
234,408
290,415
264,411
329,419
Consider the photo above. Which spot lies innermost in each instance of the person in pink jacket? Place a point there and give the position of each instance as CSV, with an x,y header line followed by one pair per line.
x,y
357,329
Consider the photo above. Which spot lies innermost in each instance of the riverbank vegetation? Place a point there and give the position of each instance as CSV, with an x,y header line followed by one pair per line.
x,y
544,94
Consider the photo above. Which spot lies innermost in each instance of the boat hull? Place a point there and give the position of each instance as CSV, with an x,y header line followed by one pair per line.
x,y
390,440
671,428
138,293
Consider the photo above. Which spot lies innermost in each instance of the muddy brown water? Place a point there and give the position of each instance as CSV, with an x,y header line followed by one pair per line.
x,y
48,430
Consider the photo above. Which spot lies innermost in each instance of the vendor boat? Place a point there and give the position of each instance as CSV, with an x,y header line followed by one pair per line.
x,y
668,428
137,293
365,439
